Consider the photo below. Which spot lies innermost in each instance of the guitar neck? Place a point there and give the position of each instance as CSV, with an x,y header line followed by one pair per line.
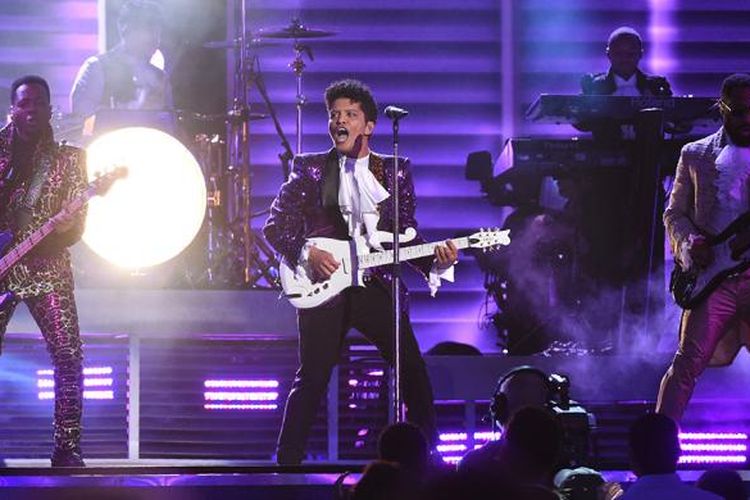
x,y
375,259
21,249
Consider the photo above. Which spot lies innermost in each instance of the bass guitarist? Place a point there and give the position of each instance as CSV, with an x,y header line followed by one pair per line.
x,y
38,177
711,189
339,194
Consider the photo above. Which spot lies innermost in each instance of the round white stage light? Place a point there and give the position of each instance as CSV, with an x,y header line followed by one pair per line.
x,y
155,212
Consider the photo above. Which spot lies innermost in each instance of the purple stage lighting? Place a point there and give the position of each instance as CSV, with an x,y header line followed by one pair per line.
x,y
713,459
712,436
241,395
713,448
454,445
92,378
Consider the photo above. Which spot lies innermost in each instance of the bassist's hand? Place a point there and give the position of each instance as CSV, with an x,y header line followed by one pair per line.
x,y
65,223
701,253
321,263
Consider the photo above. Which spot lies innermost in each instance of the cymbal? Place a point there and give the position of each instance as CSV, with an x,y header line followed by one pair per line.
x,y
235,44
295,30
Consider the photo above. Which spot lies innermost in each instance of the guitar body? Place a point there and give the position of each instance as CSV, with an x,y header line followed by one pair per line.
x,y
303,293
690,288
731,251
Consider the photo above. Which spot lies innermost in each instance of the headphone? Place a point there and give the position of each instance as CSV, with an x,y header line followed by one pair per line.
x,y
499,406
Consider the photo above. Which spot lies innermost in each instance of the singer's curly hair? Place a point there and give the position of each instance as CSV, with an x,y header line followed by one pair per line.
x,y
357,92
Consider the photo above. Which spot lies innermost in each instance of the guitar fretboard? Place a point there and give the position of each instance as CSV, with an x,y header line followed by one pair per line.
x,y
17,253
406,253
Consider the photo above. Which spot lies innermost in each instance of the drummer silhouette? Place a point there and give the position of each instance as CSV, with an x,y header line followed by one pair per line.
x,y
124,77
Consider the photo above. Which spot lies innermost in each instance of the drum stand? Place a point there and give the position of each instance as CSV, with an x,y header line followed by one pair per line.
x,y
258,260
298,67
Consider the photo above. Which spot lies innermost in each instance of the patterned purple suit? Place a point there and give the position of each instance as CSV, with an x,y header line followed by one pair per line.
x,y
307,206
44,278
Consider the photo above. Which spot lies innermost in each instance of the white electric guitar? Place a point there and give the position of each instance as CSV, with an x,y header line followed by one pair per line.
x,y
355,258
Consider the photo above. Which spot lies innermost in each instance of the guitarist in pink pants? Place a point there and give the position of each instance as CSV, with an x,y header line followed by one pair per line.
x,y
711,190
338,194
38,177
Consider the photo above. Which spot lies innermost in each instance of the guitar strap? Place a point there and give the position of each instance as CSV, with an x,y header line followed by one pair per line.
x,y
43,160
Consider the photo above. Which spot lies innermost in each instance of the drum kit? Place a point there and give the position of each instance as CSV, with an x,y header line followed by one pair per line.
x,y
229,214
233,254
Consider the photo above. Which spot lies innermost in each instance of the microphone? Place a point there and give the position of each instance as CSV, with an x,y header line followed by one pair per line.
x,y
395,113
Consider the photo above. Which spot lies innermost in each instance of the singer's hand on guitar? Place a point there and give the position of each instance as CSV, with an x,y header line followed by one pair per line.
x,y
700,251
321,263
446,255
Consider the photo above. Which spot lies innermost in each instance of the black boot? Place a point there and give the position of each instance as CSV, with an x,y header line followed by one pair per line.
x,y
67,458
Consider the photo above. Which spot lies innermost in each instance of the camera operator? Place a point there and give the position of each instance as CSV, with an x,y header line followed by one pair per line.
x,y
528,387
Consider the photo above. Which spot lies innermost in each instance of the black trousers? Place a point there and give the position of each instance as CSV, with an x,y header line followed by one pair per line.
x,y
321,335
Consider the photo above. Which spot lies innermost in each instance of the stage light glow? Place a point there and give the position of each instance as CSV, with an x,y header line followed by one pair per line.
x,y
713,459
241,396
713,447
98,395
462,436
156,211
446,448
48,384
97,382
712,436
240,384
97,370
244,394
228,406
453,436
456,444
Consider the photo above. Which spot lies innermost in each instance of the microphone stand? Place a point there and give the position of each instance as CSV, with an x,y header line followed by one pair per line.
x,y
398,406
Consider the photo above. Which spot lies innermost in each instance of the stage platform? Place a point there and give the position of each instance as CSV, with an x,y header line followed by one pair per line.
x,y
178,480
162,360
201,480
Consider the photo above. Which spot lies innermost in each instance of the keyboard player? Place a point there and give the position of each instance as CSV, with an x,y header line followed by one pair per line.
x,y
623,78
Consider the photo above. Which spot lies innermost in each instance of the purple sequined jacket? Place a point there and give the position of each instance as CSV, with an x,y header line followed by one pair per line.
x,y
307,206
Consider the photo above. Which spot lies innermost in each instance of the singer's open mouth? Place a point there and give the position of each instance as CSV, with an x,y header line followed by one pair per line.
x,y
342,134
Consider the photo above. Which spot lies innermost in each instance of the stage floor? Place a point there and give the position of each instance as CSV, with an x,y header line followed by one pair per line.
x,y
198,480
